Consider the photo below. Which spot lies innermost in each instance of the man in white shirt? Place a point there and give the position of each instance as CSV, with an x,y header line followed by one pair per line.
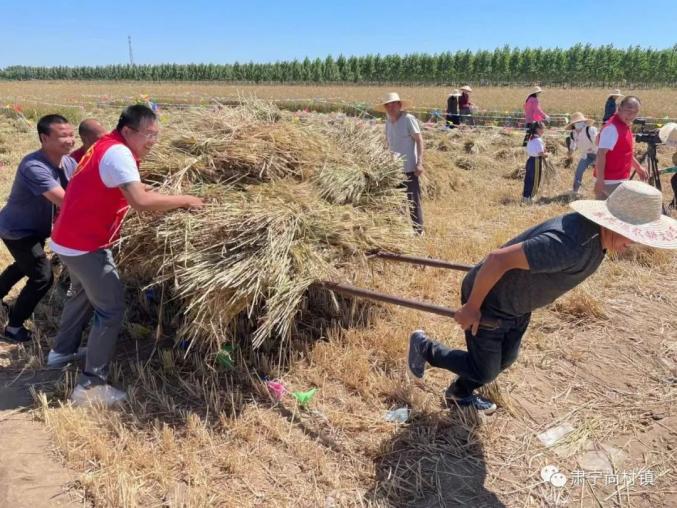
x,y
404,138
582,140
106,184
615,157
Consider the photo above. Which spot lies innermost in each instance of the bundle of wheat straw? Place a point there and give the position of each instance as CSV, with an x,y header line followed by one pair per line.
x,y
289,203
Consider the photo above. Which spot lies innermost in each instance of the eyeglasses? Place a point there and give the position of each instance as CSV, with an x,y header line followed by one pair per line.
x,y
150,136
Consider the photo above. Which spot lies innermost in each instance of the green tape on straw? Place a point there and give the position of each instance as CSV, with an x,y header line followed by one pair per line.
x,y
304,398
225,357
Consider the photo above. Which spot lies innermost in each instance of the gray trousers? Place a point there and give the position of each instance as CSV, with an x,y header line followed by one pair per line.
x,y
414,197
96,291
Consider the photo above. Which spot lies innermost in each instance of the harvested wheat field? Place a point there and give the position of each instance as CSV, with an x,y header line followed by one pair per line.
x,y
82,95
224,299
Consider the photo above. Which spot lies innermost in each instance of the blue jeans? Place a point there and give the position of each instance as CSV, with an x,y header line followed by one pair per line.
x,y
489,353
583,164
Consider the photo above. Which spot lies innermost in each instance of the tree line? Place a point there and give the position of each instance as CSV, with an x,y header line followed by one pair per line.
x,y
579,65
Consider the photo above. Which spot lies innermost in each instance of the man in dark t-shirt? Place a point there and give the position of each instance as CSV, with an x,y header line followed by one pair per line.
x,y
26,220
531,271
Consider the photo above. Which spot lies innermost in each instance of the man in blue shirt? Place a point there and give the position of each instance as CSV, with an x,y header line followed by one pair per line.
x,y
26,220
530,272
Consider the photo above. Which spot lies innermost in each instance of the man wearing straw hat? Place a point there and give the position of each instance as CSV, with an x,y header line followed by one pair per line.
x,y
530,272
404,138
582,140
610,106
615,151
104,187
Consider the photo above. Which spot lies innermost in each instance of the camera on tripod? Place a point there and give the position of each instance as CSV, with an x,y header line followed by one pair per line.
x,y
649,136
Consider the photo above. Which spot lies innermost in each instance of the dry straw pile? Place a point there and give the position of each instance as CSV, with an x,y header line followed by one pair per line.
x,y
291,201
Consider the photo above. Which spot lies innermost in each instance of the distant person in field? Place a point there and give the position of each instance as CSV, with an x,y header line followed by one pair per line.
x,y
535,162
26,220
533,111
581,140
90,130
611,106
466,105
531,271
453,118
615,153
99,196
404,138
668,136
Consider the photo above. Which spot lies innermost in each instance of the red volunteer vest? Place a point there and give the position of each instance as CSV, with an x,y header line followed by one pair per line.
x,y
619,159
92,214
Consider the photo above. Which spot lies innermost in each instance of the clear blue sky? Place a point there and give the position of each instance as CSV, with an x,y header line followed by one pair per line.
x,y
70,32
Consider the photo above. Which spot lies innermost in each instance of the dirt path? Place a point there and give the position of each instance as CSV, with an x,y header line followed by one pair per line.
x,y
31,476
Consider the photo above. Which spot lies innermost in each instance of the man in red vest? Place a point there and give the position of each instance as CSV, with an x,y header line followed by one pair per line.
x,y
615,157
104,186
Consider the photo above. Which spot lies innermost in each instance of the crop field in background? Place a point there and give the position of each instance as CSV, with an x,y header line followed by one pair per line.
x,y
656,102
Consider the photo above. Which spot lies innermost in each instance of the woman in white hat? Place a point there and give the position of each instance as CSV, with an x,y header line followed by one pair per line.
x,y
466,105
533,112
611,106
531,271
582,140
453,118
404,139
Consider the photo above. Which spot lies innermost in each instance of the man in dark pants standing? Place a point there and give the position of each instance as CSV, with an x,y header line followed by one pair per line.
x,y
530,272
453,112
26,220
404,138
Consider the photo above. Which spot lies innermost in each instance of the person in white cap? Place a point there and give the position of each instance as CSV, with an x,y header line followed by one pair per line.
x,y
610,106
404,138
531,271
581,140
615,149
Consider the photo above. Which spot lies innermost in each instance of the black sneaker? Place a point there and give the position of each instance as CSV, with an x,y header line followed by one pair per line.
x,y
415,361
480,404
21,335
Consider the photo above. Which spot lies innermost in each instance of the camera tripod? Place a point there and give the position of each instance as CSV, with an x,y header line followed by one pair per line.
x,y
652,168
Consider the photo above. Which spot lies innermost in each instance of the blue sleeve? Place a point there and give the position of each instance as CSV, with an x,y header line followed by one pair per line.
x,y
38,178
551,251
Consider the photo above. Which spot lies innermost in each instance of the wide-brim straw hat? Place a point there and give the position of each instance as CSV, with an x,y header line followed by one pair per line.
x,y
455,93
633,210
577,117
535,89
615,93
391,97
465,88
668,134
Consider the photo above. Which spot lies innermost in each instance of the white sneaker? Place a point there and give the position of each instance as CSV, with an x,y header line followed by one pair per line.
x,y
101,395
57,360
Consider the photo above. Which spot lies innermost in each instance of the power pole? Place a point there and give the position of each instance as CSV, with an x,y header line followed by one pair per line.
x,y
131,54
